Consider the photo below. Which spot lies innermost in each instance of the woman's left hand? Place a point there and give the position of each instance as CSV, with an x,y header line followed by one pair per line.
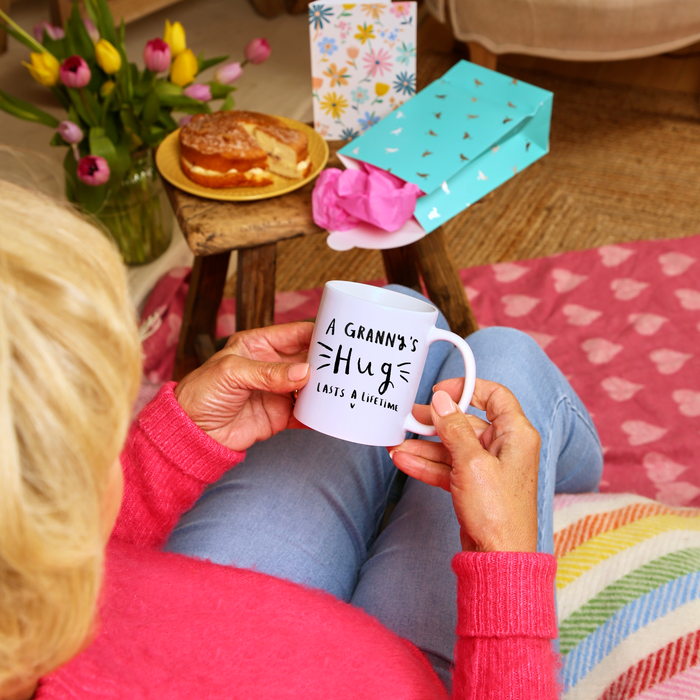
x,y
243,394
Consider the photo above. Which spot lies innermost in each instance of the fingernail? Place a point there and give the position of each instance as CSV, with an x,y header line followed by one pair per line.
x,y
391,455
297,372
443,404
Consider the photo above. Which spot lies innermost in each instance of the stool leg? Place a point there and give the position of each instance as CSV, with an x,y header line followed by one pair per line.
x,y
207,282
442,282
401,268
255,287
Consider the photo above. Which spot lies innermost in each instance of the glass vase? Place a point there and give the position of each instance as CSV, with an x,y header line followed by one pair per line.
x,y
137,213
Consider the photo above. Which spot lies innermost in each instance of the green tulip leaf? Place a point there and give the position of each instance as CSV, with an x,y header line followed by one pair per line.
x,y
228,104
80,107
14,30
182,103
100,145
25,110
58,140
219,90
75,30
165,87
151,108
166,121
209,62
105,21
61,95
130,123
58,47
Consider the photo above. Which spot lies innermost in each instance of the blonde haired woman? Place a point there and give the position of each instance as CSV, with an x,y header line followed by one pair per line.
x,y
90,605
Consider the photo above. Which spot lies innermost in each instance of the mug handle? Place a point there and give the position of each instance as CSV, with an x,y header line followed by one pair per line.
x,y
411,424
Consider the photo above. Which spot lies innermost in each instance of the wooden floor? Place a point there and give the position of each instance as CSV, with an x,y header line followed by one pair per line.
x,y
624,165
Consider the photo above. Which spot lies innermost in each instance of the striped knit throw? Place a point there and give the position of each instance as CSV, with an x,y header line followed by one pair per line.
x,y
628,591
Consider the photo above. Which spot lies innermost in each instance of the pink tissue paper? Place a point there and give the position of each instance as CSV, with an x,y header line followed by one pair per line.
x,y
342,199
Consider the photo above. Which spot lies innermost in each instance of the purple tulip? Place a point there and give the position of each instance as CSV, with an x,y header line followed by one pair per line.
x,y
70,132
74,72
93,170
157,55
198,92
91,29
257,51
185,119
228,73
52,30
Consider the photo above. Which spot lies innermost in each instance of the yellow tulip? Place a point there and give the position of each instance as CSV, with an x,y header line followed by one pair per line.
x,y
184,68
108,58
381,89
106,88
43,68
174,37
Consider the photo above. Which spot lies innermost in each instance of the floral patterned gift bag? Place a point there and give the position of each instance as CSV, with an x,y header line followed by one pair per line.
x,y
363,63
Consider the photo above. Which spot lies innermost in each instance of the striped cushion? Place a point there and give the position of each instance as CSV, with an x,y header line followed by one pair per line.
x,y
628,591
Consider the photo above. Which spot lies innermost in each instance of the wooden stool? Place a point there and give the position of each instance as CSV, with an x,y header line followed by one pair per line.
x,y
213,229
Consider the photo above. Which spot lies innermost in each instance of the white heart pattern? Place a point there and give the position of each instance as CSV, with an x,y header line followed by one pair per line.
x,y
626,289
688,402
641,433
646,324
579,315
614,255
661,469
600,350
689,298
471,292
565,280
674,264
668,361
542,339
619,389
679,493
508,272
518,304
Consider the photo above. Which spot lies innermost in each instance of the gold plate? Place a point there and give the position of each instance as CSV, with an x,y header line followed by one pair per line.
x,y
168,162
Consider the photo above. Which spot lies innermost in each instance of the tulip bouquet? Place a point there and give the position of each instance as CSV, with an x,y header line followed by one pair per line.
x,y
117,113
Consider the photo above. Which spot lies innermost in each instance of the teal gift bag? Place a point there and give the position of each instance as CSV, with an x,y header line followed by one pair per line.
x,y
459,138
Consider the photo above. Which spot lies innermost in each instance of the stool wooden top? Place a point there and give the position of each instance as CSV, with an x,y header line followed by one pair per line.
x,y
211,226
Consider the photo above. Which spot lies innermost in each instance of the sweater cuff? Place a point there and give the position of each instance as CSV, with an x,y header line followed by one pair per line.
x,y
182,441
505,594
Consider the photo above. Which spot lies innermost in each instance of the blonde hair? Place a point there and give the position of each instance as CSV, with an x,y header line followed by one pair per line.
x,y
70,366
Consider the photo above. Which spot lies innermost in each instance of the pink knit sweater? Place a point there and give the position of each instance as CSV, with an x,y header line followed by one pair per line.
x,y
181,629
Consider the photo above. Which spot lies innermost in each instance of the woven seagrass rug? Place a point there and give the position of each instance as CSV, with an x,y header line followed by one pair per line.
x,y
623,166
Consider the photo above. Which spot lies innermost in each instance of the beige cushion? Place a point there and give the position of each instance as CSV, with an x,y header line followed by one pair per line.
x,y
576,30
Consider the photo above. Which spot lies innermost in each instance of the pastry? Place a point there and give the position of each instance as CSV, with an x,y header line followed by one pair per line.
x,y
241,149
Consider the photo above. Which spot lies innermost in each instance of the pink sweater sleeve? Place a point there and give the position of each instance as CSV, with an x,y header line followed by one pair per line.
x,y
506,621
167,462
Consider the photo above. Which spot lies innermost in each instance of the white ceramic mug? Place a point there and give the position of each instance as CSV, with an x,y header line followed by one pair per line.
x,y
366,359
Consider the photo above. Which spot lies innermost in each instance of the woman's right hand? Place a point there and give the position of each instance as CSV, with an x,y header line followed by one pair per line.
x,y
490,468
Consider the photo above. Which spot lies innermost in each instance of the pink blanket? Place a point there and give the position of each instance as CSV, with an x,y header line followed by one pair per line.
x,y
622,322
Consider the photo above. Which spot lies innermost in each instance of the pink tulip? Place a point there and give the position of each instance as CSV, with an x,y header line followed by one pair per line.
x,y
91,29
185,119
74,72
257,51
53,31
228,73
157,55
70,132
198,92
93,170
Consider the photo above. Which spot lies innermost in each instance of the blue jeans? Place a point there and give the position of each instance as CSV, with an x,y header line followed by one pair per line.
x,y
307,507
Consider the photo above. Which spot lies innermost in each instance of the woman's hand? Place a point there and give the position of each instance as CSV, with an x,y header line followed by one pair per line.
x,y
243,394
489,468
